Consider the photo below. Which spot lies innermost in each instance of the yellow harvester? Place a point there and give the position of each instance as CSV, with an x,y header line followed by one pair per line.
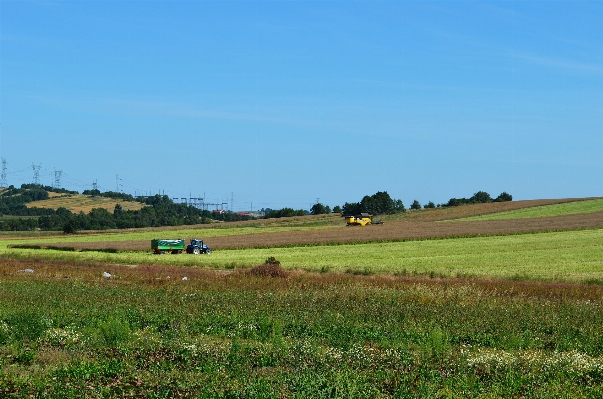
x,y
359,220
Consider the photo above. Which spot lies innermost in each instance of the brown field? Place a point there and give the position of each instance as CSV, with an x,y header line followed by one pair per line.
x,y
417,225
82,203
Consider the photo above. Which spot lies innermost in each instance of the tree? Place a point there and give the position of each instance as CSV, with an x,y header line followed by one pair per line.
x,y
101,219
351,208
71,226
503,197
319,209
379,203
429,205
336,209
399,206
415,205
481,197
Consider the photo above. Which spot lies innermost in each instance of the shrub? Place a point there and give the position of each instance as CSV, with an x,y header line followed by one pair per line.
x,y
272,261
272,269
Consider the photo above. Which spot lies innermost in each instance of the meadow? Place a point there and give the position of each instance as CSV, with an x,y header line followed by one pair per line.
x,y
480,309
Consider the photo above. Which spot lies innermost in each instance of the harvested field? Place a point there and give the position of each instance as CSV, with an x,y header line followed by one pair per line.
x,y
398,230
82,203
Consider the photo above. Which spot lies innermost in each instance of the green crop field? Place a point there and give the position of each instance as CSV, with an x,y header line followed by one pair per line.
x,y
513,315
571,255
569,208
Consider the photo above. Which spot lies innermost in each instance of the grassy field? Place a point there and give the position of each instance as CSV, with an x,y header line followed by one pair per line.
x,y
238,335
570,208
83,203
562,256
413,310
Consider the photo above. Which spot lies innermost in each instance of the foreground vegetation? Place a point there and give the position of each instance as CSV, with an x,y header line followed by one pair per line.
x,y
246,334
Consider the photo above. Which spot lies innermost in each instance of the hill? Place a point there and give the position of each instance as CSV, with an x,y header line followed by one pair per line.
x,y
84,203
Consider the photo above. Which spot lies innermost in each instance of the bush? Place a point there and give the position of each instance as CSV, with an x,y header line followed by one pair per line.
x,y
270,268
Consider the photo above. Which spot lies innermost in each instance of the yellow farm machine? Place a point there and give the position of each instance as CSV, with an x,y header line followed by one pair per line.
x,y
359,220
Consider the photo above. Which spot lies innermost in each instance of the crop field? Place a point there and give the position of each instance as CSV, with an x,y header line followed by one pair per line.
x,y
425,305
83,203
579,207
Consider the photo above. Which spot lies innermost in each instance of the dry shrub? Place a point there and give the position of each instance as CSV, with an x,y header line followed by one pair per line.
x,y
268,270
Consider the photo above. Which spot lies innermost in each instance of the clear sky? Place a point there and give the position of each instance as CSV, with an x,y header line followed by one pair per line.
x,y
280,103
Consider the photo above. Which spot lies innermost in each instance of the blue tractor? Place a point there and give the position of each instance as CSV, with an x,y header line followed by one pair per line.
x,y
197,247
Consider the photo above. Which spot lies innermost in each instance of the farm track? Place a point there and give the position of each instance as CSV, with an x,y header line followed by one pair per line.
x,y
397,230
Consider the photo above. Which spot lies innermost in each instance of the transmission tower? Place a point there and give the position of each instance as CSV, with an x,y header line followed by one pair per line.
x,y
95,185
3,182
118,184
36,170
57,178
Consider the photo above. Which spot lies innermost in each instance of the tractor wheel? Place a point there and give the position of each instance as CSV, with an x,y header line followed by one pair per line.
x,y
196,251
208,251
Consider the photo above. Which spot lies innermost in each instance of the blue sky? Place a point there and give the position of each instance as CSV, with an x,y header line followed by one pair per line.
x,y
280,103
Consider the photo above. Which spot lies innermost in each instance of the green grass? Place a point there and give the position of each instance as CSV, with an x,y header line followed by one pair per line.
x,y
306,337
116,235
562,256
569,208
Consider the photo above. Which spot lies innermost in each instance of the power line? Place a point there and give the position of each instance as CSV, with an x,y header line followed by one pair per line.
x,y
3,182
57,178
36,170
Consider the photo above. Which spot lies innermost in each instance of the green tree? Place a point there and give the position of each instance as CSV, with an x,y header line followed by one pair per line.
x,y
481,197
319,209
71,226
336,209
503,197
429,205
351,208
415,205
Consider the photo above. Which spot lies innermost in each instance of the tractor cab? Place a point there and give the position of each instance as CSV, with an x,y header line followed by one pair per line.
x,y
197,247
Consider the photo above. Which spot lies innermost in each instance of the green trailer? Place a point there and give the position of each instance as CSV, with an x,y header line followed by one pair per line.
x,y
163,246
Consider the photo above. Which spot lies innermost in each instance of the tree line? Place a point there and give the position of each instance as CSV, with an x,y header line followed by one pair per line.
x,y
160,210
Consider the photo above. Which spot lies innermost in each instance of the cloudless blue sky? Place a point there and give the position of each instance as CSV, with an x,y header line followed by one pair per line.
x,y
281,103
